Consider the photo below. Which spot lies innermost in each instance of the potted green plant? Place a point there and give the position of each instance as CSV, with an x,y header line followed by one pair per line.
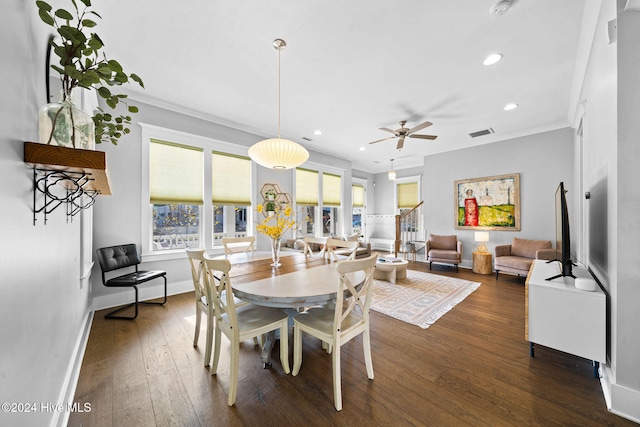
x,y
82,63
270,208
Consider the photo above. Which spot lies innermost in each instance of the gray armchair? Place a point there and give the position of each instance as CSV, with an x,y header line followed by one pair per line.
x,y
444,249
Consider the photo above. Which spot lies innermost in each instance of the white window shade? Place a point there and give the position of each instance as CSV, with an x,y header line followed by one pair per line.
x,y
408,196
357,196
230,179
175,173
331,189
307,187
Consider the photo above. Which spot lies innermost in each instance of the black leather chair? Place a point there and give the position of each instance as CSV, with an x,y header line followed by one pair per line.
x,y
123,256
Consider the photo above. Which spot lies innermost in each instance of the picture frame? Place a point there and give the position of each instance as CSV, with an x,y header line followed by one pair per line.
x,y
488,203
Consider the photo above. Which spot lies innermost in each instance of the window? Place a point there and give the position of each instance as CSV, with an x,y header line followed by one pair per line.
x,y
175,177
307,196
318,216
358,209
331,200
187,196
231,195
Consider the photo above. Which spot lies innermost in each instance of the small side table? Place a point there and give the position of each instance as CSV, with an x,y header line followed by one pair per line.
x,y
482,263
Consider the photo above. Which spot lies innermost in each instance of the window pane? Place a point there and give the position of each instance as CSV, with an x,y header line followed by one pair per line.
x,y
175,226
329,221
356,224
229,221
305,220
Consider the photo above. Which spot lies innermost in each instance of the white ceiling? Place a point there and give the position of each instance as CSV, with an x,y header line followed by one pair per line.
x,y
351,67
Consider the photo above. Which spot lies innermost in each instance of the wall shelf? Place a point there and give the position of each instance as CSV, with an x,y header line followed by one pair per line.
x,y
66,176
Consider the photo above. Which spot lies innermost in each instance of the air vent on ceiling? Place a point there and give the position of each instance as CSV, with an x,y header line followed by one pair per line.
x,y
481,133
306,139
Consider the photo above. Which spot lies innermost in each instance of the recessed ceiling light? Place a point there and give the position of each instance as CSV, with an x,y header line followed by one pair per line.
x,y
511,106
492,59
362,148
318,132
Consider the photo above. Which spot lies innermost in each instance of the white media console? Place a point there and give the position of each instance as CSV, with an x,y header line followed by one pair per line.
x,y
562,317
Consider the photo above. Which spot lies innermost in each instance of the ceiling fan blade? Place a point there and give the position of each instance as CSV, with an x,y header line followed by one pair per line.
x,y
383,139
400,143
421,126
389,130
432,137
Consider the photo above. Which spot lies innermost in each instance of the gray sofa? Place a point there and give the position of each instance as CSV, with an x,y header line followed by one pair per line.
x,y
517,257
363,251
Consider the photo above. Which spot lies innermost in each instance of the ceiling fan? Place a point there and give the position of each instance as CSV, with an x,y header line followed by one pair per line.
x,y
404,132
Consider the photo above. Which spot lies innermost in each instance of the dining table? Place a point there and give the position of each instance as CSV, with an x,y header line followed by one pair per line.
x,y
300,282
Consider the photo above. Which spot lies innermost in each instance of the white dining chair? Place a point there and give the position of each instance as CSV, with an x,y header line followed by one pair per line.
x,y
340,249
234,245
336,324
240,323
311,242
204,299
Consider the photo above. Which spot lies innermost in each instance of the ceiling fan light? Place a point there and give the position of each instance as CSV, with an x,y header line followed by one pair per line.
x,y
278,153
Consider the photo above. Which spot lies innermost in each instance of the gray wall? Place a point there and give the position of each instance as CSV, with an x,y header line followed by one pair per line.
x,y
543,160
44,306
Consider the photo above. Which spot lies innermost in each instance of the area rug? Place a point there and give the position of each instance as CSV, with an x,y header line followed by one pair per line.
x,y
421,298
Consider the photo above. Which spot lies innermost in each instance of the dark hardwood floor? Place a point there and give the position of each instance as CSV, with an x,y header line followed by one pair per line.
x,y
472,367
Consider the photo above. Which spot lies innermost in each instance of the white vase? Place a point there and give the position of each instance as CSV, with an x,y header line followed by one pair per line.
x,y
64,124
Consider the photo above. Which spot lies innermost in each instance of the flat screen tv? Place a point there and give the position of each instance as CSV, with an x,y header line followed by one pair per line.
x,y
563,237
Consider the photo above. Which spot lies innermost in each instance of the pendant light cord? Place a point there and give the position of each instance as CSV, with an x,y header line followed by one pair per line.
x,y
279,49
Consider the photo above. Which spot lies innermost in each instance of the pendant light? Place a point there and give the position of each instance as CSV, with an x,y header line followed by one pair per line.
x,y
278,153
392,173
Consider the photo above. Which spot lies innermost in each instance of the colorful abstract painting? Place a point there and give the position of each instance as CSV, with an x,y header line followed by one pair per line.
x,y
489,203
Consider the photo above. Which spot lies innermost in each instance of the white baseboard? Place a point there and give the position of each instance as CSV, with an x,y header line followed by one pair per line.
x,y
67,394
620,400
145,292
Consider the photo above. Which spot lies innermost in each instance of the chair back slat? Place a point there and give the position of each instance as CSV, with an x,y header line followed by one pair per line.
x,y
238,244
196,262
221,290
336,244
355,296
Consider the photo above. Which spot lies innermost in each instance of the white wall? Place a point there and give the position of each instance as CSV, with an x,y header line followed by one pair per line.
x,y
543,160
627,345
44,307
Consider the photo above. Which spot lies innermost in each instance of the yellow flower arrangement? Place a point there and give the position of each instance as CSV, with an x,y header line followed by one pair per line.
x,y
274,226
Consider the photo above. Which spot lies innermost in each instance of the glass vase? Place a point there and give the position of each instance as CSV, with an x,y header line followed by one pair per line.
x,y
275,252
65,125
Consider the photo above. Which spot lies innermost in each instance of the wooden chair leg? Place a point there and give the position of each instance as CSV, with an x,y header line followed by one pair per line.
x,y
337,384
197,332
284,346
366,344
207,353
234,352
216,352
297,350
